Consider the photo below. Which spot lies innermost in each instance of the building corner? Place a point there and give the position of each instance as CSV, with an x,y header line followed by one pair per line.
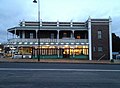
x,y
89,37
110,37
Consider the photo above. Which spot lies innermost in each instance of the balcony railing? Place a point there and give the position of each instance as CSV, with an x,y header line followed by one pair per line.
x,y
68,40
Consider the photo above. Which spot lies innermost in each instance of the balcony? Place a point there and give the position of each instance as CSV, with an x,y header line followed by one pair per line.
x,y
33,41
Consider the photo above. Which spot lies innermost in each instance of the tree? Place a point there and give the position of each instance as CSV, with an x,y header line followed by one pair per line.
x,y
115,43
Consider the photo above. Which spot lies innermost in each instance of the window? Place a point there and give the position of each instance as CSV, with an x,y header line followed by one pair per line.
x,y
52,36
99,34
31,35
100,49
64,34
78,37
94,49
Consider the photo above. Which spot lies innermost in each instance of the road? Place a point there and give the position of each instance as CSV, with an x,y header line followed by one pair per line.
x,y
51,75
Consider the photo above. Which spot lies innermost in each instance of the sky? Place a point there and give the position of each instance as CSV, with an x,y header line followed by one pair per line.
x,y
14,11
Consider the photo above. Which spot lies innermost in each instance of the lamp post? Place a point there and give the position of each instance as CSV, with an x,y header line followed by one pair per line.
x,y
38,2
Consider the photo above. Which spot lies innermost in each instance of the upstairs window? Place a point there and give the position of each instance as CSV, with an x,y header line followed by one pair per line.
x,y
64,34
99,34
78,37
52,36
31,35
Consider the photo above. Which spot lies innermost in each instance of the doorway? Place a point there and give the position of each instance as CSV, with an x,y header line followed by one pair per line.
x,y
66,53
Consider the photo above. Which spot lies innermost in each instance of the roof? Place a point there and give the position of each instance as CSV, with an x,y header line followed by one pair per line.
x,y
47,28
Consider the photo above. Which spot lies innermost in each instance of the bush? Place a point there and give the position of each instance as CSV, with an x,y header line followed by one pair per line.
x,y
111,60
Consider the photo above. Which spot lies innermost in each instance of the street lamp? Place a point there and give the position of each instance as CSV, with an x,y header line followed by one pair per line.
x,y
35,1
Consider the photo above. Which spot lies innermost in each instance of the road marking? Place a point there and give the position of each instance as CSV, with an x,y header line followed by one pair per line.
x,y
77,70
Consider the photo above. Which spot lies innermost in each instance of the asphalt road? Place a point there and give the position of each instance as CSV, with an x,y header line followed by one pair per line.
x,y
46,75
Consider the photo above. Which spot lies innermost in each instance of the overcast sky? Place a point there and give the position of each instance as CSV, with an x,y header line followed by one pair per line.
x,y
13,11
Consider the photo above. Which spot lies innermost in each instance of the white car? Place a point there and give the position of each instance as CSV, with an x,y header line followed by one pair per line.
x,y
118,57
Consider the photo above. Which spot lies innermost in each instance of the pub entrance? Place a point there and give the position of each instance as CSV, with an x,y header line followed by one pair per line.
x,y
66,53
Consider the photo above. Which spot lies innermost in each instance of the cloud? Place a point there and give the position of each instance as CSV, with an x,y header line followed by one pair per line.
x,y
12,11
116,25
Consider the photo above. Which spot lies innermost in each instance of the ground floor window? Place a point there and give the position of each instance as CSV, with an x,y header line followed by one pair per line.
x,y
25,50
63,50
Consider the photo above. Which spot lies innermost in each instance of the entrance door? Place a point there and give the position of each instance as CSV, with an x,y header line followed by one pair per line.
x,y
66,53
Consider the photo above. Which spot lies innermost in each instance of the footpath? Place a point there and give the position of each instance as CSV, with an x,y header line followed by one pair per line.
x,y
10,60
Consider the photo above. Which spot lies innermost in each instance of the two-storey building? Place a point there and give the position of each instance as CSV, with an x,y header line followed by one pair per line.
x,y
89,40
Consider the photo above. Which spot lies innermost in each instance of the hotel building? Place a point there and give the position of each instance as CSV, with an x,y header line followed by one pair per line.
x,y
90,40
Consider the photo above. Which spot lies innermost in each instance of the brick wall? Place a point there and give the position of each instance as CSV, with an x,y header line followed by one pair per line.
x,y
103,42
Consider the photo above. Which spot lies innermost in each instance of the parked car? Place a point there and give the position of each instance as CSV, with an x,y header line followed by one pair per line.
x,y
118,57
